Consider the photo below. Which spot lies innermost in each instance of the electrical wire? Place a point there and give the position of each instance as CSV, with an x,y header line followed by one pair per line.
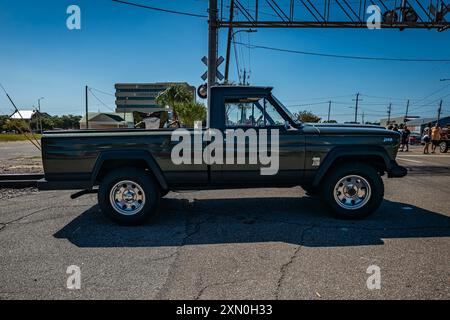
x,y
161,9
104,92
99,100
327,55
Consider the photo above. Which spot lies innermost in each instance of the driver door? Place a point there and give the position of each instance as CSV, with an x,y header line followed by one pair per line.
x,y
256,116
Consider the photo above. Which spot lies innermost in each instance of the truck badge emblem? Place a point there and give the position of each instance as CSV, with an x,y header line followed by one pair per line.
x,y
315,161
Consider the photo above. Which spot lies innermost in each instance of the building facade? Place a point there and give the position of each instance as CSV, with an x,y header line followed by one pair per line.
x,y
418,125
107,120
141,97
396,120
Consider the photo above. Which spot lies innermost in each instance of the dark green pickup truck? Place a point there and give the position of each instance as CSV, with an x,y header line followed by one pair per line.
x,y
132,169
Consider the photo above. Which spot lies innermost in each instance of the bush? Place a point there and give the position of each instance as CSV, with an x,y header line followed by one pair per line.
x,y
189,112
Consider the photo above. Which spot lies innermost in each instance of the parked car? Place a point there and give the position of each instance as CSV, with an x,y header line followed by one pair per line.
x,y
444,143
415,139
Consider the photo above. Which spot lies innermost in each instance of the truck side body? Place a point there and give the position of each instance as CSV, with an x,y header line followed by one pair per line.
x,y
79,160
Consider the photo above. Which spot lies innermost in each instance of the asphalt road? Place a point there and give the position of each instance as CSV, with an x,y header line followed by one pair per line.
x,y
255,243
18,149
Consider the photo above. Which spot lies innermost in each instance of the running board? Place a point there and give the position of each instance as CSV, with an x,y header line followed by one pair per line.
x,y
20,181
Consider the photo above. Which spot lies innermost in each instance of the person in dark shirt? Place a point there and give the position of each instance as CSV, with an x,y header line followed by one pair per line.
x,y
406,133
395,128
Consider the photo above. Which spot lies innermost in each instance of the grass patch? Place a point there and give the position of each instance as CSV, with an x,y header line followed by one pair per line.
x,y
7,137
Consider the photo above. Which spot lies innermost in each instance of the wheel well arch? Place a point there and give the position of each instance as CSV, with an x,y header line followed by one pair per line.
x,y
109,161
113,164
375,161
375,158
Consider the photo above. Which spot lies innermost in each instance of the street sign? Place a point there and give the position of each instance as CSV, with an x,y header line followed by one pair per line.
x,y
219,75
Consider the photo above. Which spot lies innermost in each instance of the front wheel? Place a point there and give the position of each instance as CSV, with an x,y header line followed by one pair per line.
x,y
353,191
129,196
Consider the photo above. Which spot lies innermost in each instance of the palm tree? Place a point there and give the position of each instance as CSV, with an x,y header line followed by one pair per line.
x,y
173,97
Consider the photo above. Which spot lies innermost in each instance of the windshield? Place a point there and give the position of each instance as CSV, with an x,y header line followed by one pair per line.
x,y
286,110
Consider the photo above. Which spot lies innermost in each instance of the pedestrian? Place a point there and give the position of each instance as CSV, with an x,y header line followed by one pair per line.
x,y
435,137
426,140
405,138
395,127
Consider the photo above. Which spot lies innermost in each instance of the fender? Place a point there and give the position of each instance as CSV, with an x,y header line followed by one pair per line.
x,y
359,150
127,154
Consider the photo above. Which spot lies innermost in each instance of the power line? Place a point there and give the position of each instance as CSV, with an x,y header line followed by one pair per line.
x,y
430,104
161,9
341,56
104,92
237,59
321,98
99,100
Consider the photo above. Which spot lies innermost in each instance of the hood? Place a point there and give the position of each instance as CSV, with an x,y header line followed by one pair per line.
x,y
346,129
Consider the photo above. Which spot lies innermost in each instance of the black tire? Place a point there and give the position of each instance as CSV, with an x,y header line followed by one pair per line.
x,y
330,190
443,147
143,189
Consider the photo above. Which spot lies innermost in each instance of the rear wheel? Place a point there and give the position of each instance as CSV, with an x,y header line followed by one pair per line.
x,y
129,196
353,191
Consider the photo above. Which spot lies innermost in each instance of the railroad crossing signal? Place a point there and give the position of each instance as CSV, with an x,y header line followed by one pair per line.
x,y
219,75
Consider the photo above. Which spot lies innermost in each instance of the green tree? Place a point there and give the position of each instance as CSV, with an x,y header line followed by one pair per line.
x,y
3,120
64,122
16,125
308,116
173,97
190,112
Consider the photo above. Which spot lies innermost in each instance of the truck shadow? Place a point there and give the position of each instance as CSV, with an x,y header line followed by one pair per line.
x,y
300,221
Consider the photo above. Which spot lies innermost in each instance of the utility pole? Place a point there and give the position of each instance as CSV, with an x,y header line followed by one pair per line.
x,y
389,113
87,108
39,114
329,111
406,113
212,51
230,36
356,107
363,118
439,112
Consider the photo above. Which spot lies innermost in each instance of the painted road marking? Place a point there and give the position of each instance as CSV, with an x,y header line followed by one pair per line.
x,y
415,161
434,156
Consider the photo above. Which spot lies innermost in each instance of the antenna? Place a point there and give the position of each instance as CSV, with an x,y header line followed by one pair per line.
x,y
36,142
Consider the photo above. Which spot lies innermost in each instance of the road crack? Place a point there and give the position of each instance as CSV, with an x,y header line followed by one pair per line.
x,y
285,266
5,224
191,229
216,284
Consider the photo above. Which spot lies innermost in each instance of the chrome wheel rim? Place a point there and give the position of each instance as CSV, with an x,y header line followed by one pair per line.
x,y
127,197
352,192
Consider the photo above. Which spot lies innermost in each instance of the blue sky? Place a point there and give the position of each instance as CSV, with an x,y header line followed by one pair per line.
x,y
40,57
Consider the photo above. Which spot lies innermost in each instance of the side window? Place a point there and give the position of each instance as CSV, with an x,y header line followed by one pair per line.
x,y
243,113
251,112
273,117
